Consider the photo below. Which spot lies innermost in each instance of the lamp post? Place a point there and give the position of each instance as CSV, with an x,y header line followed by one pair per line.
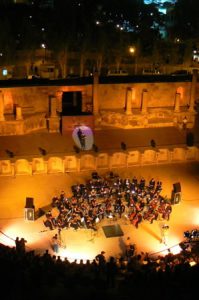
x,y
43,46
132,51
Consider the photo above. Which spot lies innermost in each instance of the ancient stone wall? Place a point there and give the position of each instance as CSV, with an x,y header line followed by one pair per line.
x,y
122,105
111,96
89,162
36,99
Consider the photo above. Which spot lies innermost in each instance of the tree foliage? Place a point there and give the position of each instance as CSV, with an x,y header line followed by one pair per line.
x,y
106,27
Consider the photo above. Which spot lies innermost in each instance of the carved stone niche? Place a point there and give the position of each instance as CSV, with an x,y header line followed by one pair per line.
x,y
55,165
178,154
87,162
70,163
163,155
149,156
38,166
118,159
133,158
191,153
102,161
23,167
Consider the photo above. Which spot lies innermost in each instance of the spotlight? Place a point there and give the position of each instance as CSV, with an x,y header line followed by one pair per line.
x,y
76,149
123,146
42,151
153,143
9,153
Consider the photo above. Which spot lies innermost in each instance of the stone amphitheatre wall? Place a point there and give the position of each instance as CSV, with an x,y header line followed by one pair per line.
x,y
98,161
137,105
110,96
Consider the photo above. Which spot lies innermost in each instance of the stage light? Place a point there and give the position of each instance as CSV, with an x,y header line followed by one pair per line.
x,y
76,149
42,151
153,143
123,146
9,153
192,263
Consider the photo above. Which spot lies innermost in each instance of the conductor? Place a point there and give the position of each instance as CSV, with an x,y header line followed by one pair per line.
x,y
82,138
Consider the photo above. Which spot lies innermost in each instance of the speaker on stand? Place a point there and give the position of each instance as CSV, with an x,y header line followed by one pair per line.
x,y
175,197
177,187
29,210
176,193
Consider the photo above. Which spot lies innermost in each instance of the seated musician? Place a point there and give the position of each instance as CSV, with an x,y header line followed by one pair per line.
x,y
137,220
55,201
153,216
101,212
48,224
75,223
90,223
132,215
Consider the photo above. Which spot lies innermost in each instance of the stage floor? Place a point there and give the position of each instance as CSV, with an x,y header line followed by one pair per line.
x,y
85,243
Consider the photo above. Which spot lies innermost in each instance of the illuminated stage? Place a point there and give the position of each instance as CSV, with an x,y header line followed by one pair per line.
x,y
84,243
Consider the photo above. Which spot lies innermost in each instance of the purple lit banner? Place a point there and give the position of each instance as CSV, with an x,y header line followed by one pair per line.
x,y
83,137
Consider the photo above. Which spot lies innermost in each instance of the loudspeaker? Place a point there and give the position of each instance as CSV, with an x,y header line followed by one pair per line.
x,y
177,187
29,202
175,197
29,214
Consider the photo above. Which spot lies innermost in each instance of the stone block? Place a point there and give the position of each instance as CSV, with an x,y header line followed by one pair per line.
x,y
6,168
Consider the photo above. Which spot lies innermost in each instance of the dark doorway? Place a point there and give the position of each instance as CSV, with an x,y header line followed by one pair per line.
x,y
71,103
